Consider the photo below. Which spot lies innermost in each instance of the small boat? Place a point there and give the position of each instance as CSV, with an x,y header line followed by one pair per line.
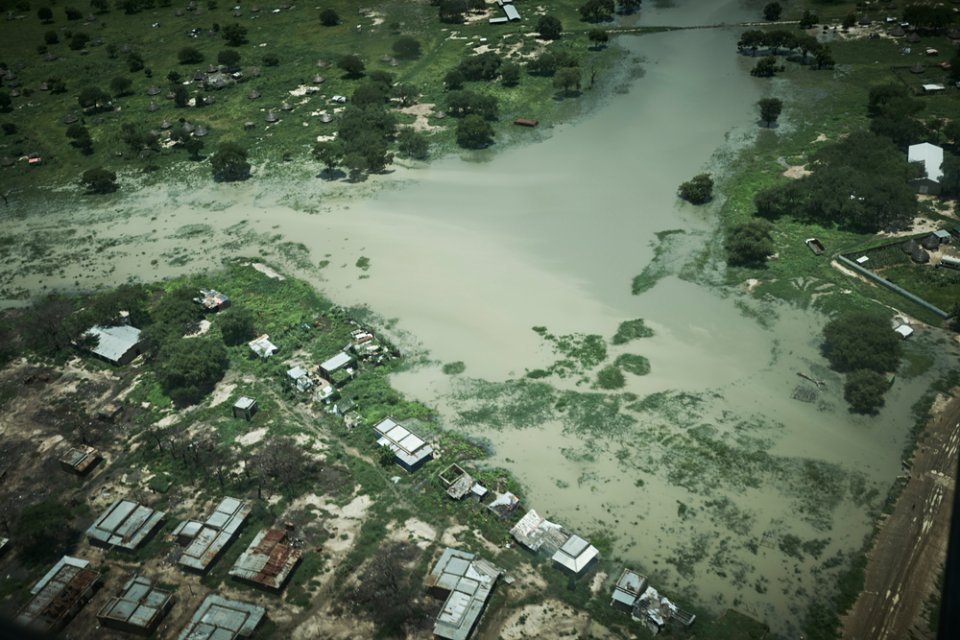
x,y
815,245
526,122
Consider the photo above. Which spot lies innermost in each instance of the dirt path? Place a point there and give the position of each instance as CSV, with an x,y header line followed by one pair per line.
x,y
911,547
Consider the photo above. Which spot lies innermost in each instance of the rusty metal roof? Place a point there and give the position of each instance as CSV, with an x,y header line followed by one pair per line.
x,y
59,594
80,459
139,604
268,561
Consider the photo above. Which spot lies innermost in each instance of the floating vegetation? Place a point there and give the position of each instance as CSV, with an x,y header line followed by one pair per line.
x,y
631,363
193,231
578,352
596,414
610,377
363,263
515,403
663,252
632,330
454,368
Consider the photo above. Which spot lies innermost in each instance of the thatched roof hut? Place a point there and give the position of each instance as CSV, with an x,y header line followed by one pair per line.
x,y
166,124
253,95
898,32
212,68
253,72
286,106
913,38
153,91
6,161
920,256
50,57
70,118
15,93
917,68
954,34
188,128
44,86
931,242
271,116
318,79
200,131
199,76
153,107
326,117
909,246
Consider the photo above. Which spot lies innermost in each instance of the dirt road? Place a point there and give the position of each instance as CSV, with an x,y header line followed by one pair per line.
x,y
912,544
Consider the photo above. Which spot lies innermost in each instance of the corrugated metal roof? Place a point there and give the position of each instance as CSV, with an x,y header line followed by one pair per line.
x,y
338,361
58,594
138,604
470,582
409,448
215,534
114,342
511,12
125,524
245,403
581,554
218,618
268,561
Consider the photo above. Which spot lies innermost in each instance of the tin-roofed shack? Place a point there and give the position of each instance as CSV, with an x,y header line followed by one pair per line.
x,y
632,593
467,583
80,460
138,608
460,484
503,504
244,408
569,551
212,300
59,595
268,561
118,345
410,450
338,369
206,540
125,524
218,618
262,347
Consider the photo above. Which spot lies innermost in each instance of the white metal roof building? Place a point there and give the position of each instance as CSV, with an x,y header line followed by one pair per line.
x,y
575,554
338,361
931,156
468,583
209,538
138,607
218,618
411,450
534,531
629,587
125,524
262,346
118,345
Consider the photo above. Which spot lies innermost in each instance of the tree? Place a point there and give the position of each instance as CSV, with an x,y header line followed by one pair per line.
x,y
823,58
698,190
235,34
848,21
413,144
5,101
950,181
453,81
229,58
99,180
808,19
484,66
751,39
93,98
192,145
765,68
598,37
451,11
189,368
770,109
549,27
44,531
772,11
597,10
406,47
236,326
629,6
181,96
749,244
330,153
189,55
861,340
78,41
510,74
134,62
51,37
270,60
121,85
352,65
329,18
81,138
229,163
100,6
567,80
356,164
45,14
864,391
473,132
406,93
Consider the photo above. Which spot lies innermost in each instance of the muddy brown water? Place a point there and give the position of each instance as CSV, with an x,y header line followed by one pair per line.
x,y
469,255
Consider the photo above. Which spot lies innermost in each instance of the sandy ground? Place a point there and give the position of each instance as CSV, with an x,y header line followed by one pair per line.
x,y
797,171
422,111
549,619
910,549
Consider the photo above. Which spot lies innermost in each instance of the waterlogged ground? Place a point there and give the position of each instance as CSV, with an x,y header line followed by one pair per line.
x,y
716,468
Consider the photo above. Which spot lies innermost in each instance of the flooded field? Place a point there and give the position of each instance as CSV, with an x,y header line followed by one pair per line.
x,y
707,471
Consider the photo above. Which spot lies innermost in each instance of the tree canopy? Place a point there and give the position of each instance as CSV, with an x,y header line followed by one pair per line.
x,y
473,132
236,326
864,391
749,244
861,340
698,190
189,368
770,109
549,27
99,180
229,163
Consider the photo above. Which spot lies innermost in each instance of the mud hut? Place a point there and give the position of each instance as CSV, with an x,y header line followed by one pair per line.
x,y
917,68
166,124
930,243
6,161
913,38
153,106
199,76
200,131
188,128
920,256
909,246
153,91
253,95
326,117
44,86
50,57
898,32
271,117
70,118
318,79
286,106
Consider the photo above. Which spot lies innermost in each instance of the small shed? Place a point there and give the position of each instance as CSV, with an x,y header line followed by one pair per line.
x,y
933,88
80,460
262,347
268,561
206,540
410,450
300,378
904,331
943,235
511,12
118,345
628,588
138,607
466,582
338,369
576,555
244,408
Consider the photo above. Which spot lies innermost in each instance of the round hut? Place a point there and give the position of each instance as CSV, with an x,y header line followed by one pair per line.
x,y
917,68
920,256
318,79
271,117
166,124
930,243
286,106
913,38
188,128
6,161
153,107
898,32
70,118
200,132
50,57
253,95
909,246
326,117
153,91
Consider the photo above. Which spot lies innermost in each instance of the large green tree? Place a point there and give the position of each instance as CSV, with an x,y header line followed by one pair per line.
x,y
189,368
229,163
861,340
99,180
698,190
473,132
770,109
749,244
549,27
236,326
864,390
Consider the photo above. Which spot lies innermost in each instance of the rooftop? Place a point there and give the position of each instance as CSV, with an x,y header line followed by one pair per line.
x,y
211,299
138,605
262,346
125,524
268,561
114,342
59,594
534,532
218,618
629,587
409,448
245,403
338,361
80,459
469,582
575,554
212,536
930,155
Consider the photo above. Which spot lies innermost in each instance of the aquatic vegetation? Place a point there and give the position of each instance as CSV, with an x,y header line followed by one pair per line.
x,y
454,368
632,330
631,363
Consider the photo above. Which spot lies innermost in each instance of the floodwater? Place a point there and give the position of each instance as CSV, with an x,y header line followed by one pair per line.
x,y
468,256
